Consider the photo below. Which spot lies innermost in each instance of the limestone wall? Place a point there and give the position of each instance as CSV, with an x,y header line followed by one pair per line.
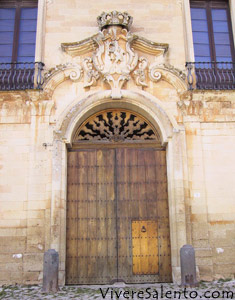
x,y
199,134
75,20
25,188
210,131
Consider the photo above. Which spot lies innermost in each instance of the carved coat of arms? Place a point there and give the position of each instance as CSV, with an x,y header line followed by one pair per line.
x,y
114,58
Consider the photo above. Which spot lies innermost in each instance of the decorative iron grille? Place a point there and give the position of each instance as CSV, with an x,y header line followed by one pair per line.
x,y
115,125
211,75
21,76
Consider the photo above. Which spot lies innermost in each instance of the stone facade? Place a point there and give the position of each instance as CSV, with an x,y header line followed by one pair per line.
x,y
197,128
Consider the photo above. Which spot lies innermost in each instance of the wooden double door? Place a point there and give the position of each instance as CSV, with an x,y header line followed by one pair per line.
x,y
117,217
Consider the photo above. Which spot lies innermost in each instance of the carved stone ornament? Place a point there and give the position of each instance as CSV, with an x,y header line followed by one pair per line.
x,y
154,73
139,73
168,73
114,18
73,71
90,74
190,108
114,57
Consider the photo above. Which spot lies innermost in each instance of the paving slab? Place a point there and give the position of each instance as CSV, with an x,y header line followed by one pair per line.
x,y
221,289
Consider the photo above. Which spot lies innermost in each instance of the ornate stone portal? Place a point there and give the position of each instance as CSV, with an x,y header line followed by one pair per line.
x,y
114,57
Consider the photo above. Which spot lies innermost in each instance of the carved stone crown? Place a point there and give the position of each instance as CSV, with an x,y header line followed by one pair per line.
x,y
114,18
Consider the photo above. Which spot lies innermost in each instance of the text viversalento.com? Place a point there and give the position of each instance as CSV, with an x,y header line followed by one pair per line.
x,y
151,293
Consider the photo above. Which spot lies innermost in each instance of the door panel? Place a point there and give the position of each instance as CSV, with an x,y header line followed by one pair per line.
x,y
91,218
142,197
72,209
112,194
145,247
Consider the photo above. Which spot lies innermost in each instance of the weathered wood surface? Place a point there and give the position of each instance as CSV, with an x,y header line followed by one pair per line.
x,y
112,194
91,217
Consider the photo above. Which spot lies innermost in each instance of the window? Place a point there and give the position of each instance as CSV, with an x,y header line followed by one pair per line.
x,y
18,21
213,43
212,31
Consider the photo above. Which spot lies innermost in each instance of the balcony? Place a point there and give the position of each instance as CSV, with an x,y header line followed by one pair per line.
x,y
21,76
211,75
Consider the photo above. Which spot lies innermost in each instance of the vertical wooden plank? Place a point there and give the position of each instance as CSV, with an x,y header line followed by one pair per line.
x,y
151,214
163,211
101,214
127,191
136,247
161,179
71,227
121,192
111,233
91,214
134,186
106,217
151,186
137,188
164,250
144,250
140,170
82,250
152,240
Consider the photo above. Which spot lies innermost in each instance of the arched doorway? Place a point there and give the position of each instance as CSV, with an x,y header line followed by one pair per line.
x,y
117,205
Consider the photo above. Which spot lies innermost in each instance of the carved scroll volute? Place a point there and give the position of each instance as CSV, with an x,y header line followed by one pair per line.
x,y
58,74
168,73
74,73
154,72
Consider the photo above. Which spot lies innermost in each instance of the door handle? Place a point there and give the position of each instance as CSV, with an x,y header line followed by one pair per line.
x,y
143,229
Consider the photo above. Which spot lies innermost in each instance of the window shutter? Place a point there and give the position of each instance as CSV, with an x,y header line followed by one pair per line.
x,y
7,21
27,35
221,35
200,35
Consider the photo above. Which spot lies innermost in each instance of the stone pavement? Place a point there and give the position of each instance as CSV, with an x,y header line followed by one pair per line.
x,y
221,289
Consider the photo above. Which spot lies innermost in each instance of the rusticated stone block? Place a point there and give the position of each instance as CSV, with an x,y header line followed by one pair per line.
x,y
50,271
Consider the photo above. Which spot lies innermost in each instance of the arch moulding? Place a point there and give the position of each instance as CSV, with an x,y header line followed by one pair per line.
x,y
172,137
141,102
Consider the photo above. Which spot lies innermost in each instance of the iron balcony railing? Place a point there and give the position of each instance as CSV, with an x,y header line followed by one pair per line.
x,y
21,76
211,75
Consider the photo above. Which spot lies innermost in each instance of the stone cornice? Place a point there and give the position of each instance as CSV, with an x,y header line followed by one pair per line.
x,y
138,43
149,47
82,47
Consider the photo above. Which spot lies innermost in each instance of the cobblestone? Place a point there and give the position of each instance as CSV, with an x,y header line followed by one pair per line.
x,y
220,289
